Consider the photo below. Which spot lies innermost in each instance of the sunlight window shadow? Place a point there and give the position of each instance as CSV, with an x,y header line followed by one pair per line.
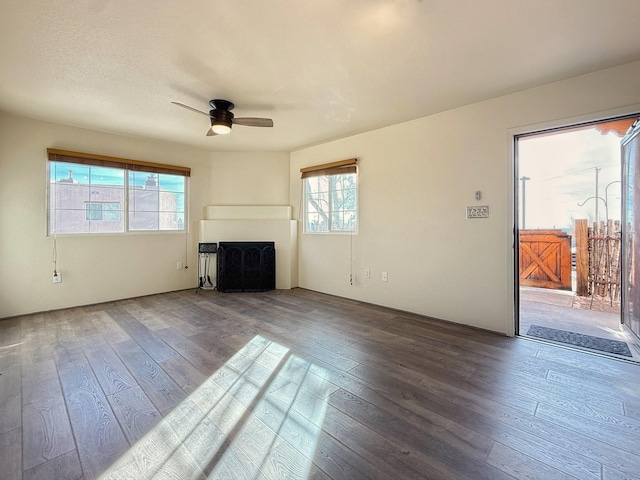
x,y
257,416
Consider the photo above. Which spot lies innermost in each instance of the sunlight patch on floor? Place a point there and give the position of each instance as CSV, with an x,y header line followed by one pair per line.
x,y
258,416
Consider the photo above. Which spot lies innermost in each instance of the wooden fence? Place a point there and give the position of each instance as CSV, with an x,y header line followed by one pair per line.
x,y
598,254
545,259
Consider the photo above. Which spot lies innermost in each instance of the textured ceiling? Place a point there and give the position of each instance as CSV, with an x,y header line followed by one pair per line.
x,y
322,69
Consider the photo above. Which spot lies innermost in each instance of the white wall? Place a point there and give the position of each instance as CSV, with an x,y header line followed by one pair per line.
x,y
416,179
249,178
94,268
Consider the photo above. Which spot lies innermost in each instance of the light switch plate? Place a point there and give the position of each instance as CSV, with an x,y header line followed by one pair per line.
x,y
478,211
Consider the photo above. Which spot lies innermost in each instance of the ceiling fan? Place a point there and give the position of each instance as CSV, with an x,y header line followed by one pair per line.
x,y
222,119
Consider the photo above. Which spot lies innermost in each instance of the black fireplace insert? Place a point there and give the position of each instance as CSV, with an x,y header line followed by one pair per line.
x,y
246,266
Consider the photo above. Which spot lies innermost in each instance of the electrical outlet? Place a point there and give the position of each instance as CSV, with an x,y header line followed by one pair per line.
x,y
367,274
385,278
179,266
57,278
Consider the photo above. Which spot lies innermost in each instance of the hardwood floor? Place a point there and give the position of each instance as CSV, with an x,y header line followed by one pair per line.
x,y
297,384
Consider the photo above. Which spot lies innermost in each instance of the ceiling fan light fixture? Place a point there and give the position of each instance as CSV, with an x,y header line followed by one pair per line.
x,y
222,119
221,128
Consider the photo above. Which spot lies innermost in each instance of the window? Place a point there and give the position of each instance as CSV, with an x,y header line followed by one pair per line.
x,y
95,194
331,197
156,202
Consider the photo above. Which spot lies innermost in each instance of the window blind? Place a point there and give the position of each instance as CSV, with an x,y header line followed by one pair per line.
x,y
67,156
333,168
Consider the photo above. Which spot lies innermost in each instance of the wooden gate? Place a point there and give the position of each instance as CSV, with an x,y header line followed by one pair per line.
x,y
545,259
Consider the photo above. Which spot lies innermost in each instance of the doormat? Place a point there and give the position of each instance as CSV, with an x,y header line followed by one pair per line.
x,y
580,340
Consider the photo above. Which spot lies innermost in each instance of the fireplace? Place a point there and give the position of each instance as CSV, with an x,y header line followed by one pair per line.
x,y
246,266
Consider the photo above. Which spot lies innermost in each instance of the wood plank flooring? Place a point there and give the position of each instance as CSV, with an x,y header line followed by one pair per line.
x,y
297,384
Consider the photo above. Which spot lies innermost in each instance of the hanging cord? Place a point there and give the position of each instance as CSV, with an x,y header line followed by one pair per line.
x,y
54,256
186,248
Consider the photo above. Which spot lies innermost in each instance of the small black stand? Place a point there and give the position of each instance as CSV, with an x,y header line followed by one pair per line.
x,y
205,252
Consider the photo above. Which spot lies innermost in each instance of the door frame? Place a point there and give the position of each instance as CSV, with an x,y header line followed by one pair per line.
x,y
514,134
624,293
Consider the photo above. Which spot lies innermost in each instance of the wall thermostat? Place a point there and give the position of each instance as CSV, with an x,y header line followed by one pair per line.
x,y
478,211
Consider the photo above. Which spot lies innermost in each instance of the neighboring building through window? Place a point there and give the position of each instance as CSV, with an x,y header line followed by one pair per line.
x,y
109,212
331,198
119,197
156,202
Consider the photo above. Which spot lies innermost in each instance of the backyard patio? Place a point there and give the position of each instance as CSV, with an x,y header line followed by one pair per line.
x,y
563,310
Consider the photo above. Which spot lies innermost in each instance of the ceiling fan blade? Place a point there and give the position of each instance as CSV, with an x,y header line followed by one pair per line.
x,y
253,122
190,108
211,133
